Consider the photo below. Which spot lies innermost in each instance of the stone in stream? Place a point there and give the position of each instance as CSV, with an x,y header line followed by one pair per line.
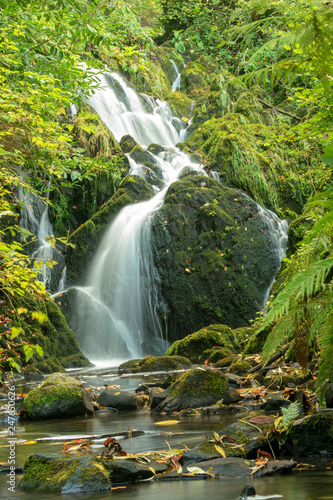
x,y
248,491
119,400
194,389
58,396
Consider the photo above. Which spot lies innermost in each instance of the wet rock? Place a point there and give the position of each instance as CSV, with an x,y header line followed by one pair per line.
x,y
131,366
119,400
156,396
127,143
248,491
130,471
51,473
240,367
312,435
194,389
238,467
193,345
164,363
213,254
234,380
275,403
58,396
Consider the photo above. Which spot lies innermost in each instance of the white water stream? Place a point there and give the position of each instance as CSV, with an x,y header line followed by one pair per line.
x,y
116,309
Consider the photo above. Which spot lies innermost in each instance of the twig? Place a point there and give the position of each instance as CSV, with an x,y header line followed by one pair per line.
x,y
279,110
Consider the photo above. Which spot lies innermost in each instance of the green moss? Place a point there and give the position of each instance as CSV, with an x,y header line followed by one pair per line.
x,y
240,367
165,363
215,354
131,366
37,398
200,383
193,345
44,474
180,104
208,446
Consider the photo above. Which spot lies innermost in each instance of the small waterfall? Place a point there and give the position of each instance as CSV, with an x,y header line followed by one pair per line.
x,y
116,310
35,219
176,83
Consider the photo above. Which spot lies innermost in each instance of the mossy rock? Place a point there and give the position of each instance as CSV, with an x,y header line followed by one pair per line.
x,y
206,450
51,473
256,342
58,396
180,104
213,255
193,345
131,366
312,435
215,354
194,389
132,189
240,367
226,362
127,143
164,363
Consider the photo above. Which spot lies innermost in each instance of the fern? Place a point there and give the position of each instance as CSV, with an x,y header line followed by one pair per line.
x,y
290,414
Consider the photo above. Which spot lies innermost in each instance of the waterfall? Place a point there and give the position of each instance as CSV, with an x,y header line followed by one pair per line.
x,y
176,83
116,309
115,313
35,219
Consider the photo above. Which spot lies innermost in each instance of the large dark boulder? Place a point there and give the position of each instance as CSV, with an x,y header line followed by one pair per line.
x,y
194,389
213,253
58,396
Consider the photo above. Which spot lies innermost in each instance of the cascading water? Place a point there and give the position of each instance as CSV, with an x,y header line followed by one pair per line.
x,y
116,310
176,83
35,219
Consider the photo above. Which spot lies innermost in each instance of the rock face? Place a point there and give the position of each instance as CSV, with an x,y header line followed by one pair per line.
x,y
213,254
58,396
132,189
120,400
194,389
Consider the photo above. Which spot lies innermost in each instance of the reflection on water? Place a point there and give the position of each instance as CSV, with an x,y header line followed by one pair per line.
x,y
312,484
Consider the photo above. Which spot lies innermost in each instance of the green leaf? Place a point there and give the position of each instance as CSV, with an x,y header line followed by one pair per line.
x,y
16,332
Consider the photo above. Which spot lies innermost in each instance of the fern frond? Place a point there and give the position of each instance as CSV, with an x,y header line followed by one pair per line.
x,y
303,285
325,336
291,413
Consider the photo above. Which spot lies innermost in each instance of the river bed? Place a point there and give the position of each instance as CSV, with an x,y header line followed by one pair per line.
x,y
311,481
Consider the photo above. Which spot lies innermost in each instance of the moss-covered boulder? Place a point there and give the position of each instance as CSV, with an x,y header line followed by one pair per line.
x,y
85,239
194,345
131,366
51,473
226,362
164,363
49,330
196,77
240,367
194,389
58,396
181,104
312,435
214,255
215,354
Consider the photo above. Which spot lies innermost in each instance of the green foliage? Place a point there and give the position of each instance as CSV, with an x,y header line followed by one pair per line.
x,y
303,307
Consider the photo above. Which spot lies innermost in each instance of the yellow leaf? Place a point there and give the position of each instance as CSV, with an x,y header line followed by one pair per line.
x,y
168,422
217,437
117,393
220,450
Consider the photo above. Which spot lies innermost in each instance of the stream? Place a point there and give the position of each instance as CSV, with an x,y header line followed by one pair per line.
x,y
305,483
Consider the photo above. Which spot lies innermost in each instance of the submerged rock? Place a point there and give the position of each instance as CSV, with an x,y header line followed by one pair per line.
x,y
58,396
312,436
238,467
194,389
